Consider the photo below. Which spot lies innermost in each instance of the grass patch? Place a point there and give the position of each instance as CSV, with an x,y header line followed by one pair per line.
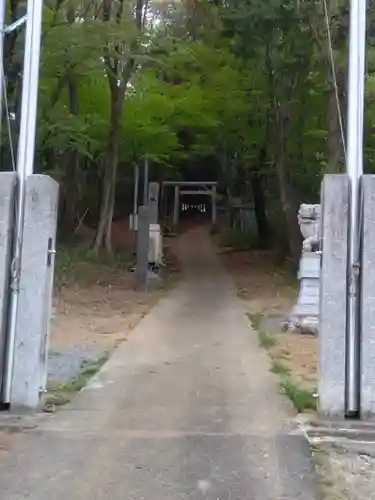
x,y
279,368
266,340
301,398
60,393
255,320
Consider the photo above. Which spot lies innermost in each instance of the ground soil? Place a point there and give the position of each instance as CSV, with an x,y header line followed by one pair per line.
x,y
7,439
97,305
345,472
269,292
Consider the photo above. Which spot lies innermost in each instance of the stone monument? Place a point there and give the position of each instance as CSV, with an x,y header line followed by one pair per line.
x,y
304,316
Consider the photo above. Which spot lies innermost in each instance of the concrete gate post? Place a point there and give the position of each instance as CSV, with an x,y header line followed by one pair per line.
x,y
8,182
333,295
367,311
35,293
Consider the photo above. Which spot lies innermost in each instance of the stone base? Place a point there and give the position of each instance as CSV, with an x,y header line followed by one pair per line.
x,y
304,317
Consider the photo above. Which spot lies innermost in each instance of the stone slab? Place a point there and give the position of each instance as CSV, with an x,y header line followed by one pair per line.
x,y
333,290
8,181
367,348
309,265
35,295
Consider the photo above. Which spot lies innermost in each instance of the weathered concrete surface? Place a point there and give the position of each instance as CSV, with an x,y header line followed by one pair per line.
x,y
186,409
333,294
35,295
8,182
367,305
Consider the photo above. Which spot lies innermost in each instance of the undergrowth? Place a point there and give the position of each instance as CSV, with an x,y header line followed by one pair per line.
x,y
237,239
79,264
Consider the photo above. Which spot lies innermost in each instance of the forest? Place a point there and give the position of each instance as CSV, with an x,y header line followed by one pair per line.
x,y
251,93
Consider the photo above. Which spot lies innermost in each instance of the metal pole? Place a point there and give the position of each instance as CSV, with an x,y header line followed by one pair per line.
x,y
145,183
135,194
25,166
3,4
357,48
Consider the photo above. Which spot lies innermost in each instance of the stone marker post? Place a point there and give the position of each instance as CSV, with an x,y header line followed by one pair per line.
x,y
8,182
333,295
176,206
153,202
214,206
143,242
35,290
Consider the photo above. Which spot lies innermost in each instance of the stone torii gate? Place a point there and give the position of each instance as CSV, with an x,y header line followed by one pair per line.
x,y
208,188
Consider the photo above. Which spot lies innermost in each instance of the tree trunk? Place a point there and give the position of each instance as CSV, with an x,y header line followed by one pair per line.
x,y
256,181
71,183
286,194
263,227
104,230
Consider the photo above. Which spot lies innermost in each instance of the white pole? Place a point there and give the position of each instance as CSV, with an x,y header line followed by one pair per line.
x,y
25,165
145,182
357,49
3,4
135,194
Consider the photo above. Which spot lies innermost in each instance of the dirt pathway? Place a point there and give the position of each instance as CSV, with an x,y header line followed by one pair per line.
x,y
186,409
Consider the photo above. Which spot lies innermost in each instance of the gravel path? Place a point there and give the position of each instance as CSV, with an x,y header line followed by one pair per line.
x,y
186,409
65,364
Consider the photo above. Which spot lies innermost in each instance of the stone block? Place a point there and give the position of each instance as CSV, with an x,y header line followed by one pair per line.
x,y
333,295
8,182
143,243
367,307
304,315
35,294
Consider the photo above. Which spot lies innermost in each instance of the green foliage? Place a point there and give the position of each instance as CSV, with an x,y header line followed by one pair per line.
x,y
255,320
301,398
279,368
238,239
266,339
204,83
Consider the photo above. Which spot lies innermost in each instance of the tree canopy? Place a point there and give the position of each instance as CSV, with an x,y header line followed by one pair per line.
x,y
243,89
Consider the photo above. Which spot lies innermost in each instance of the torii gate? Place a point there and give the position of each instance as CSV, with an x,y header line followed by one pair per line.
x,y
208,188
